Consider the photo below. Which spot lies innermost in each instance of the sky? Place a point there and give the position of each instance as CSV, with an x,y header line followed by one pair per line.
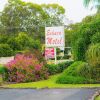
x,y
75,9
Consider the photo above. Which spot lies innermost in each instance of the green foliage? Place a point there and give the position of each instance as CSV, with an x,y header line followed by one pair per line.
x,y
36,45
93,55
54,69
14,44
96,38
93,4
83,36
24,40
93,58
30,18
20,42
3,38
79,49
78,72
5,50
78,68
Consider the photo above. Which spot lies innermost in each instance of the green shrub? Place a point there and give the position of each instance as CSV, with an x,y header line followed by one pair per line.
x,y
3,38
81,38
24,40
80,49
62,66
36,45
52,69
93,58
93,55
96,38
58,68
78,72
5,50
78,68
14,44
71,80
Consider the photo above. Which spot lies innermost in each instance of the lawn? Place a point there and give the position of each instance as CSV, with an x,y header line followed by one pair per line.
x,y
98,98
50,83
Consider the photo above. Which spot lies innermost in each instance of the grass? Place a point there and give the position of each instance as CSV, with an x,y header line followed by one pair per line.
x,y
98,98
50,83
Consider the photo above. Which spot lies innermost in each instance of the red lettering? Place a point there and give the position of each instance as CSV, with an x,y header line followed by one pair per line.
x,y
52,32
49,40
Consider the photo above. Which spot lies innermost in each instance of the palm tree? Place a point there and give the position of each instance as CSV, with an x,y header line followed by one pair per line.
x,y
95,4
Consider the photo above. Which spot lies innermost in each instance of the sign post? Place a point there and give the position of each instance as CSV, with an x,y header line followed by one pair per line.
x,y
54,37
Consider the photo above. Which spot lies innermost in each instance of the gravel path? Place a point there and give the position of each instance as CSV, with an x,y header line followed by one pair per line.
x,y
46,94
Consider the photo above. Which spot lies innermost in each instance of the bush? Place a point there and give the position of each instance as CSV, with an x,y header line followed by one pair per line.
x,y
5,50
80,49
78,72
14,44
78,68
93,58
36,45
96,38
54,69
93,55
24,40
3,38
25,68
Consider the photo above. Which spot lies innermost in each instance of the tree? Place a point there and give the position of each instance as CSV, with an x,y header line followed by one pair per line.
x,y
55,13
95,4
30,18
84,35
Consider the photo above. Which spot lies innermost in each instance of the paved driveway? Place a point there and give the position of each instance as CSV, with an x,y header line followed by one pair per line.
x,y
46,94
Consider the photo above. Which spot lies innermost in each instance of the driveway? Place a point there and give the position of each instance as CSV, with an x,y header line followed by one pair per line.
x,y
46,94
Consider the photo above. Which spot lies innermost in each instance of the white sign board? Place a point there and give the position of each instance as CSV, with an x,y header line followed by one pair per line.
x,y
54,36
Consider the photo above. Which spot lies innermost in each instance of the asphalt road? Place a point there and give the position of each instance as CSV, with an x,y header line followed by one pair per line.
x,y
46,94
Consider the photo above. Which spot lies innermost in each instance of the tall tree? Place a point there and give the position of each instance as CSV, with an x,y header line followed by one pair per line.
x,y
56,14
19,16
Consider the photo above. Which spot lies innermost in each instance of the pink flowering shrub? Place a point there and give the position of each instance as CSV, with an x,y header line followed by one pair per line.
x,y
25,68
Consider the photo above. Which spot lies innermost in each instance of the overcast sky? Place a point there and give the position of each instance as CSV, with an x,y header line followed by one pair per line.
x,y
74,8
